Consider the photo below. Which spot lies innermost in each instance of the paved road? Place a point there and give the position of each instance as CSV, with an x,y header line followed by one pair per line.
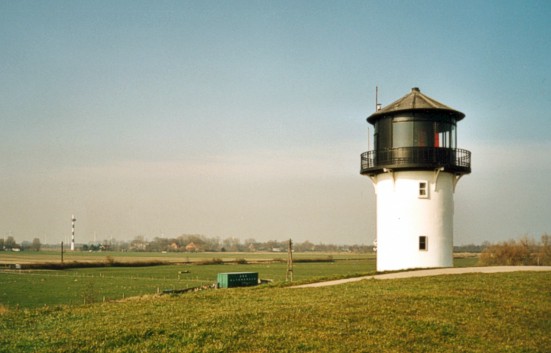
x,y
433,272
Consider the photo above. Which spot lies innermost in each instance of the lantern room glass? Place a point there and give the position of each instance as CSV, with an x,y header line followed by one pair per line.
x,y
408,132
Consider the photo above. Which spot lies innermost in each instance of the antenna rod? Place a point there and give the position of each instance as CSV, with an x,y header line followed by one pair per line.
x,y
376,98
378,106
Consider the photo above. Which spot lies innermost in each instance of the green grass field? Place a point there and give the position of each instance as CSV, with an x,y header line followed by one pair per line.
x,y
507,312
36,288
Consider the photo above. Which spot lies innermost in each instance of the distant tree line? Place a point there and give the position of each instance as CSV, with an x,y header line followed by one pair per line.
x,y
471,248
525,251
196,243
189,243
10,244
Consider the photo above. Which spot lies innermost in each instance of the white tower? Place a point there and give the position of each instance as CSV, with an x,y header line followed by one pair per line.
x,y
414,167
73,220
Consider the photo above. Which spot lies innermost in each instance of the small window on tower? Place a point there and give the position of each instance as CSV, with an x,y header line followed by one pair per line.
x,y
423,189
423,243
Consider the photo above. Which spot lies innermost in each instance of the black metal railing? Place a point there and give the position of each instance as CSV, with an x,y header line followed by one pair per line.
x,y
452,159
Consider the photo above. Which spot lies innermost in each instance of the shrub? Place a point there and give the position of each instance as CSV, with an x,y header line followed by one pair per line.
x,y
518,253
544,253
109,262
317,259
213,261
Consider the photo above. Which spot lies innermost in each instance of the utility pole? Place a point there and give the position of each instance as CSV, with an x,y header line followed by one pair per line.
x,y
62,253
289,274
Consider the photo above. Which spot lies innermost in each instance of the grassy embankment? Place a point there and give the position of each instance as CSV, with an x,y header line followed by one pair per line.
x,y
508,312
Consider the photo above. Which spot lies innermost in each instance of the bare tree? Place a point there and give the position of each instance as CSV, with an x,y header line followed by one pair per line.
x,y
10,243
36,244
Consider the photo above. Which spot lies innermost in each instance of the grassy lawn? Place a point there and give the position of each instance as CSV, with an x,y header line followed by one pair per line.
x,y
505,312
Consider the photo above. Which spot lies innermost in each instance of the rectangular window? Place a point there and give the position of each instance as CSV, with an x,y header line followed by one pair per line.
x,y
422,133
423,190
402,134
423,243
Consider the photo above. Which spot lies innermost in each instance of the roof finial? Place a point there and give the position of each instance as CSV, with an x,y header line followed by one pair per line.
x,y
415,89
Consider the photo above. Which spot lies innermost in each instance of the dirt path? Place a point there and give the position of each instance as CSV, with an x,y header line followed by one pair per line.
x,y
433,272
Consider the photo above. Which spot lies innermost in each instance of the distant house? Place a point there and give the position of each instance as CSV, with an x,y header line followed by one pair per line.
x,y
191,247
139,245
174,246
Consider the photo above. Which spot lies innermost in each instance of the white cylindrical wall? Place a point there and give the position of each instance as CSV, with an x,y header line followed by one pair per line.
x,y
404,215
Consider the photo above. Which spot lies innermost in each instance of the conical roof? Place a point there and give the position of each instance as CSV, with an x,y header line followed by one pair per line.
x,y
414,100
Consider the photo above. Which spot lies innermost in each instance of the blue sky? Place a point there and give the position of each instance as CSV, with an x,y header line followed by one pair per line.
x,y
247,118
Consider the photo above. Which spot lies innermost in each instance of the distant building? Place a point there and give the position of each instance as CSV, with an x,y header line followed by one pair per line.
x,y
191,247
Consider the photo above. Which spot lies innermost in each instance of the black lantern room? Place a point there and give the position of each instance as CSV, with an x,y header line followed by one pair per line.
x,y
416,133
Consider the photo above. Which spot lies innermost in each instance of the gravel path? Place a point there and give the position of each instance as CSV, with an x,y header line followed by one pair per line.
x,y
433,272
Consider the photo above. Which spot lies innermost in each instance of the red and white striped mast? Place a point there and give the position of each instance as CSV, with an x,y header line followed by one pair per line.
x,y
73,220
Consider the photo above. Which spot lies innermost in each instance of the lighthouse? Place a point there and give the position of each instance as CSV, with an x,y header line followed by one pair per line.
x,y
415,166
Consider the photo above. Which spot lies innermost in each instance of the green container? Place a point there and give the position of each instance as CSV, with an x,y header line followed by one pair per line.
x,y
237,279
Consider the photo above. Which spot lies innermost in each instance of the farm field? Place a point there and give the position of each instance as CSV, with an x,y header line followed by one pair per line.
x,y
35,288
27,257
503,312
76,286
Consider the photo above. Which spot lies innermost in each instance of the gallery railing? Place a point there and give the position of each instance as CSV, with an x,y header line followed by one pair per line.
x,y
453,160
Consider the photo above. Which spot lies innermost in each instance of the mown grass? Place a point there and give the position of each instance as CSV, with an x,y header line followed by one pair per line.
x,y
508,312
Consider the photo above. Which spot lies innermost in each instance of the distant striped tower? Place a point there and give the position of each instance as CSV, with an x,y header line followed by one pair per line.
x,y
73,220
